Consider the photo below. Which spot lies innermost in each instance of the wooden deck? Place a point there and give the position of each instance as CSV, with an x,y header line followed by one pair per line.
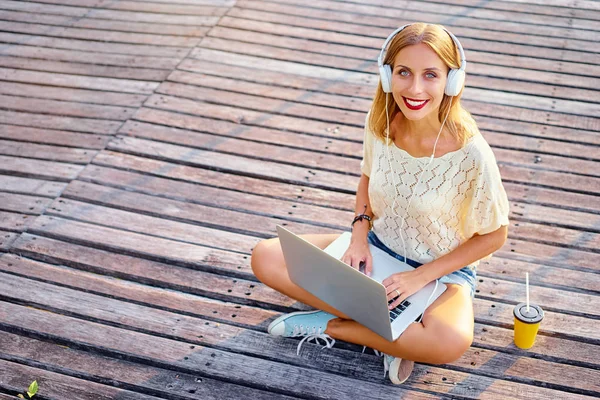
x,y
147,145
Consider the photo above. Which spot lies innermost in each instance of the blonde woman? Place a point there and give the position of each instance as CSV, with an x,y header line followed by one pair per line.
x,y
430,194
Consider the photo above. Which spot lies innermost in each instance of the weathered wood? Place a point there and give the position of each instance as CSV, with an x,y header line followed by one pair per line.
x,y
83,69
164,275
212,213
234,368
149,225
136,377
14,222
156,321
23,203
65,108
327,42
197,8
38,168
110,14
35,187
45,152
341,18
97,46
17,377
54,137
7,239
90,125
142,61
100,35
77,81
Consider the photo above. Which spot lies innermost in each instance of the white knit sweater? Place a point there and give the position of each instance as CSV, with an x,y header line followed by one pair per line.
x,y
460,194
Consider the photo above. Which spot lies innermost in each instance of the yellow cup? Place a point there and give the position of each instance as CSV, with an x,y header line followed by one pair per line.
x,y
527,324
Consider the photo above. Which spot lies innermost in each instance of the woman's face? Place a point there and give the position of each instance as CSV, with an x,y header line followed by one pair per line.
x,y
418,82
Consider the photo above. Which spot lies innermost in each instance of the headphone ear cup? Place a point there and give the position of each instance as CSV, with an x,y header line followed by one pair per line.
x,y
385,73
455,82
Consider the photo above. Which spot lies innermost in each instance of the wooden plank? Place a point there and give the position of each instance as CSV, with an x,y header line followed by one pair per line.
x,y
400,7
230,129
196,8
97,46
23,204
184,280
281,27
7,239
233,163
98,35
31,186
65,108
158,321
120,373
141,61
234,368
45,152
148,225
305,213
38,168
338,20
573,302
556,8
352,84
279,153
358,51
497,267
17,377
90,125
276,152
77,81
54,137
73,94
73,68
109,14
323,178
225,216
14,222
215,74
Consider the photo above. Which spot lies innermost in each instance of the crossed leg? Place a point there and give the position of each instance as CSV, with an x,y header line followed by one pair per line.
x,y
443,335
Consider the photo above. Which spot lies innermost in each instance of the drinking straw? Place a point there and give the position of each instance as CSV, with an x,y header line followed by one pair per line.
x,y
527,288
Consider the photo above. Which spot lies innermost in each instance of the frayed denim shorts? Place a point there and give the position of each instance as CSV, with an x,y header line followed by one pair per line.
x,y
466,276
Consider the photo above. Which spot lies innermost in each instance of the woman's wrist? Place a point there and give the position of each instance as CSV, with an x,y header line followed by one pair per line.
x,y
360,230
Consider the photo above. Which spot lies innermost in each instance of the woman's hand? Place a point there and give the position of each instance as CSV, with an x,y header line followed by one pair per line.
x,y
403,284
358,256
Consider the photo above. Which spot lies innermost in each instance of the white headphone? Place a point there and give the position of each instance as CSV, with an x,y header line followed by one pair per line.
x,y
456,77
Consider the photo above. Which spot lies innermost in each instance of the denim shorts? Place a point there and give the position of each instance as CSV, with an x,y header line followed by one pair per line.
x,y
466,276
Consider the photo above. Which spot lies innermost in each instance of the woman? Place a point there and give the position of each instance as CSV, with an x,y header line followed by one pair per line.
x,y
430,194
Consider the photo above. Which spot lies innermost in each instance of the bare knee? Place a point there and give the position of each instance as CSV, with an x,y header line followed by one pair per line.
x,y
266,256
451,344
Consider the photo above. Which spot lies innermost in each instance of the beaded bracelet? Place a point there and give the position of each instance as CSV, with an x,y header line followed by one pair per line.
x,y
362,216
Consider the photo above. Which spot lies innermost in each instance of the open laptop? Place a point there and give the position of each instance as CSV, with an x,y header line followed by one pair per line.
x,y
362,298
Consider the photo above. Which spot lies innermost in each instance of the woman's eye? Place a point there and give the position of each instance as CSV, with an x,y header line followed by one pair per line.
x,y
403,72
431,75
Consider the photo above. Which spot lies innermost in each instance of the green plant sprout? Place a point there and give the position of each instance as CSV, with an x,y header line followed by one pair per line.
x,y
33,388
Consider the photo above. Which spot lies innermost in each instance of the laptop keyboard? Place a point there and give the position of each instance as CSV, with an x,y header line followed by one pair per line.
x,y
395,313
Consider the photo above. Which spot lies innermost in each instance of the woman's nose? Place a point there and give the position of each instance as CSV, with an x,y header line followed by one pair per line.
x,y
416,85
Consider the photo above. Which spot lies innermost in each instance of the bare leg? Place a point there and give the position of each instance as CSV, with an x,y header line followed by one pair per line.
x,y
269,267
444,334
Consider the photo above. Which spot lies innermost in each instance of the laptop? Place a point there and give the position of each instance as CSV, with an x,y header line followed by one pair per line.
x,y
362,298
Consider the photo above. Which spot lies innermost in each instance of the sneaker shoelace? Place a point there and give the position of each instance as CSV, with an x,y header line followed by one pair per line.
x,y
312,333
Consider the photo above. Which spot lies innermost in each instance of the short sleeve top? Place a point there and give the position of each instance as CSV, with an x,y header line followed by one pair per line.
x,y
460,194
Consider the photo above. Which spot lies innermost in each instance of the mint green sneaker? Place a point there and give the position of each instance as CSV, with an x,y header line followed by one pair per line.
x,y
398,368
310,324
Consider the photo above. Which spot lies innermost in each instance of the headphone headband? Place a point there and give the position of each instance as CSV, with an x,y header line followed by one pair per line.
x,y
456,77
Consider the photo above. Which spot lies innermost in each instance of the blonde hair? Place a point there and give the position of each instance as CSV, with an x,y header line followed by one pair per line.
x,y
459,123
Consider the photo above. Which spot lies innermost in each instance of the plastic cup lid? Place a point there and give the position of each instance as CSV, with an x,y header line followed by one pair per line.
x,y
533,316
